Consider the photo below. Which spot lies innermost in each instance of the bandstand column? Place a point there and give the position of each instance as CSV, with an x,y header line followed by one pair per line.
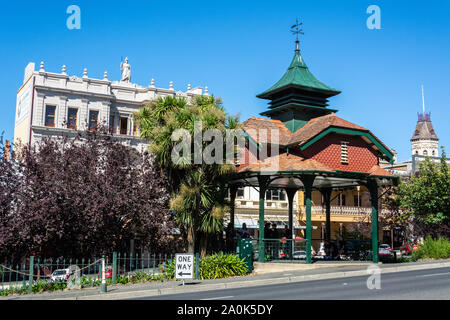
x,y
262,181
308,182
373,189
291,194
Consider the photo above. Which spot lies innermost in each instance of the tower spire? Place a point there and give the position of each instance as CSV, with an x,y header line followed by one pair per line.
x,y
423,102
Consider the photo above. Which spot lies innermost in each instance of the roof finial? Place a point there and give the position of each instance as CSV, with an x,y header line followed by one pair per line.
x,y
296,30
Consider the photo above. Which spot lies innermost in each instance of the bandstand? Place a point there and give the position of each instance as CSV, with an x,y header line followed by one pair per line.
x,y
317,150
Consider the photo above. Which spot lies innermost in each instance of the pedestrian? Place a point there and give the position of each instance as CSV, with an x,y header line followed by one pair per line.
x,y
229,238
287,232
245,233
274,231
267,231
275,244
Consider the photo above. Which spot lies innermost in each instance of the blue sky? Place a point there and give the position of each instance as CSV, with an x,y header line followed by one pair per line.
x,y
240,48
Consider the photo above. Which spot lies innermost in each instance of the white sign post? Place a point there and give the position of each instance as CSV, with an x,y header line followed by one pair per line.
x,y
184,266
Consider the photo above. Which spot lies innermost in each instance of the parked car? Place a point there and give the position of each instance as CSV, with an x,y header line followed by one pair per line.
x,y
301,254
109,272
321,253
60,275
407,249
385,250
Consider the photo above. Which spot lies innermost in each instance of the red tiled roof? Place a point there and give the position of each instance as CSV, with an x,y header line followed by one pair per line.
x,y
268,124
378,171
317,125
312,128
284,162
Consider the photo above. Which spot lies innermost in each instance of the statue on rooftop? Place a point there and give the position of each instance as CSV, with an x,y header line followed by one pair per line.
x,y
126,71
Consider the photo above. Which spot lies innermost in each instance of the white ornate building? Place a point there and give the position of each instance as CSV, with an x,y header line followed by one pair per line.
x,y
55,104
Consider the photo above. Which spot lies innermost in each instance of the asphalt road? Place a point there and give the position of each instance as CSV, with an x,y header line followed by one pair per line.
x,y
433,284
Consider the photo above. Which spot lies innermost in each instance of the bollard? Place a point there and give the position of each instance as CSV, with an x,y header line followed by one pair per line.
x,y
103,287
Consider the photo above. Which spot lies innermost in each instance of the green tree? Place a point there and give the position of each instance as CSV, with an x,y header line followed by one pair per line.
x,y
198,189
426,197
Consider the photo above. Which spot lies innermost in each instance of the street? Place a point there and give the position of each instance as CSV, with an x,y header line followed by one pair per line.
x,y
433,284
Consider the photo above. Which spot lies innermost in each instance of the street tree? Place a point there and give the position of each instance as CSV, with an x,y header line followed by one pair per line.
x,y
426,197
83,197
198,189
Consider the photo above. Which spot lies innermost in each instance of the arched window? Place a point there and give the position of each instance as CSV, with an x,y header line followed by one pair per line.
x,y
433,153
425,152
417,152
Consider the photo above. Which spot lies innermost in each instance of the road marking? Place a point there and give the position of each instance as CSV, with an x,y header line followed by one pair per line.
x,y
434,274
218,298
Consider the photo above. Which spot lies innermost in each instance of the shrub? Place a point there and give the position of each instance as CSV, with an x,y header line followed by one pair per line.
x,y
86,282
433,249
216,266
169,269
221,265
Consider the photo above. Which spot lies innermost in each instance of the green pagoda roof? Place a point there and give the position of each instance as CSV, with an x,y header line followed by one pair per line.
x,y
298,76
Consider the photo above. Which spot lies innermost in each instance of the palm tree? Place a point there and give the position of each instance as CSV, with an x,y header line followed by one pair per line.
x,y
198,193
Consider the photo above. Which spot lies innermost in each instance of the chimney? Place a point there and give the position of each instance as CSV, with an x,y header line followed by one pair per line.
x,y
7,150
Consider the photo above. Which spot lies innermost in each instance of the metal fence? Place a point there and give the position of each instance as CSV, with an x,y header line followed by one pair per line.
x,y
294,250
280,249
149,263
35,270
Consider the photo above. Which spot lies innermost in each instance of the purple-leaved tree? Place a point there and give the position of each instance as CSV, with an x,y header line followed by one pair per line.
x,y
82,197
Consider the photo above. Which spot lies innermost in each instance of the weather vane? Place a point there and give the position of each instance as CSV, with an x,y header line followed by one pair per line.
x,y
296,29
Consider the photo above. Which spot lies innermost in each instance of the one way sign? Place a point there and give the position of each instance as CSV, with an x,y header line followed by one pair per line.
x,y
184,266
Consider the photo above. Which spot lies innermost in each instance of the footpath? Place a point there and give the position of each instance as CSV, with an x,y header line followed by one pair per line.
x,y
302,272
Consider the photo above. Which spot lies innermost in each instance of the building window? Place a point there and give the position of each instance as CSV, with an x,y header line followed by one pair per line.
x,y
111,124
275,195
240,193
72,116
341,200
93,120
344,152
123,125
50,116
425,152
433,153
135,129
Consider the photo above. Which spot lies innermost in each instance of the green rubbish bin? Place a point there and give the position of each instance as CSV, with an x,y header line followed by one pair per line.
x,y
245,251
